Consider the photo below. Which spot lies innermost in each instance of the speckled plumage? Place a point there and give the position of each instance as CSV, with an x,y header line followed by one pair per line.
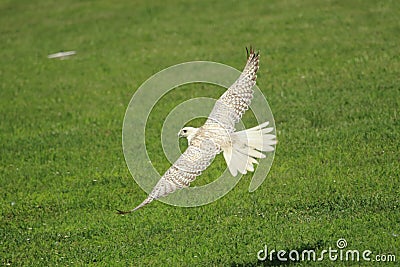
x,y
216,135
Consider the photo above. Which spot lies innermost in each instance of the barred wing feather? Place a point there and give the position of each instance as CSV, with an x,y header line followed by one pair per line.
x,y
231,106
187,167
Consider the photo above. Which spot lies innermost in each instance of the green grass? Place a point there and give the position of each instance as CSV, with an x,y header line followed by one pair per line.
x,y
330,71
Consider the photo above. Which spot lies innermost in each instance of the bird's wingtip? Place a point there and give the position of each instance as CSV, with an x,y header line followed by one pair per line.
x,y
121,212
251,53
144,203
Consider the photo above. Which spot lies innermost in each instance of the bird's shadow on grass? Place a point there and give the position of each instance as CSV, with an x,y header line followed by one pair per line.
x,y
276,262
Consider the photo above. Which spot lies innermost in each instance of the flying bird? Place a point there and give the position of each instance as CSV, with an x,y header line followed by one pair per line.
x,y
240,148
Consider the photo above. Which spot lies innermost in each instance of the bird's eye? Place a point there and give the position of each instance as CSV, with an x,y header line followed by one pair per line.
x,y
184,131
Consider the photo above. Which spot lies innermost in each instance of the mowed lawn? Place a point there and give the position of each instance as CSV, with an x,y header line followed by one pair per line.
x,y
329,69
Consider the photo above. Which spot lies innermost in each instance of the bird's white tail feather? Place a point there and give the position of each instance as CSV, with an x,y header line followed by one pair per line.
x,y
247,145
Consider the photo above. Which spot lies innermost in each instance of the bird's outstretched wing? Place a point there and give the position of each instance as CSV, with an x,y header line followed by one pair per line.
x,y
187,167
231,106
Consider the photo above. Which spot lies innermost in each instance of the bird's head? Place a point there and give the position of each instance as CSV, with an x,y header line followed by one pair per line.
x,y
187,132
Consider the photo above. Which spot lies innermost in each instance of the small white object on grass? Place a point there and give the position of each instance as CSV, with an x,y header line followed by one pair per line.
x,y
62,55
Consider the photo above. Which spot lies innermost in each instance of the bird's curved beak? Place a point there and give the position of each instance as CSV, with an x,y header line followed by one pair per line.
x,y
180,134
